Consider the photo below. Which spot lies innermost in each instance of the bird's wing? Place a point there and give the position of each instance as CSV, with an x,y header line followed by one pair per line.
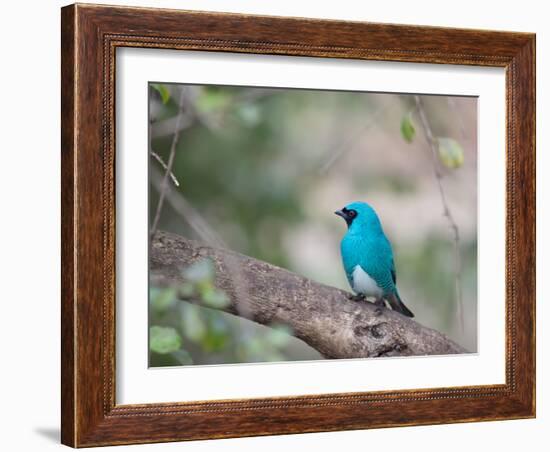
x,y
383,270
393,275
375,259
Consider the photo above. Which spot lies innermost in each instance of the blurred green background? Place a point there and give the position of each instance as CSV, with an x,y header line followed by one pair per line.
x,y
264,170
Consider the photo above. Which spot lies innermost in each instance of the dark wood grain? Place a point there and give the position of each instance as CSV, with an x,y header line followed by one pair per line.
x,y
90,36
67,227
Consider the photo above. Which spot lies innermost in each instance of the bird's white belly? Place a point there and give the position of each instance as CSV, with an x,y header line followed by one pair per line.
x,y
364,284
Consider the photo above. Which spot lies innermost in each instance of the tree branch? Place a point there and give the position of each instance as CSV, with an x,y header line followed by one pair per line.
x,y
320,315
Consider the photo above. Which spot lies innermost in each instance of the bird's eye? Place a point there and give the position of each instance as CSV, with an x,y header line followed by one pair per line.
x,y
352,213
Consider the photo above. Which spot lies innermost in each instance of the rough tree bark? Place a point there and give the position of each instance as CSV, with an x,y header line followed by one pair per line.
x,y
320,315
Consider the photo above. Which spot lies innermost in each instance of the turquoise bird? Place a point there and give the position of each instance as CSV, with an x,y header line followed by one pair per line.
x,y
368,258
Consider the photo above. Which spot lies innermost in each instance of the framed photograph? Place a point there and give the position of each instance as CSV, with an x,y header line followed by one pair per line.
x,y
281,225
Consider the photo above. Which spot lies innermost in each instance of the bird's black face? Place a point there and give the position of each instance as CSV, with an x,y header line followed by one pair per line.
x,y
347,214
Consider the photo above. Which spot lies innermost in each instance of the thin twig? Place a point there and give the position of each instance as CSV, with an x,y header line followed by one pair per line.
x,y
158,158
446,211
170,163
195,220
187,212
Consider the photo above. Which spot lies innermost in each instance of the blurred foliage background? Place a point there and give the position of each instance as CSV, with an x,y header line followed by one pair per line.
x,y
263,170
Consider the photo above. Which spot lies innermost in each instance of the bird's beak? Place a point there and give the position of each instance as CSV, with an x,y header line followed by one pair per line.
x,y
341,214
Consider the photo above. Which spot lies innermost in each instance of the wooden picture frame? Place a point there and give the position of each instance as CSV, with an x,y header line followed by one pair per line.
x,y
90,36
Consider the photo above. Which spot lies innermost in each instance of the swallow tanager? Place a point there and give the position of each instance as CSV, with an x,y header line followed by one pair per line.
x,y
368,258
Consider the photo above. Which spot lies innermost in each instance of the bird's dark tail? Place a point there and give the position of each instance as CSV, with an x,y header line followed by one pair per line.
x,y
397,305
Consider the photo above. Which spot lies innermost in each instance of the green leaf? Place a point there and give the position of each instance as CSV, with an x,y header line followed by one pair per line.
x,y
450,152
164,339
163,91
186,290
218,333
214,298
162,299
407,128
192,323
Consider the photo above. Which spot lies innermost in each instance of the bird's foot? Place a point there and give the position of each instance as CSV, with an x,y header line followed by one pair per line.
x,y
380,303
358,297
